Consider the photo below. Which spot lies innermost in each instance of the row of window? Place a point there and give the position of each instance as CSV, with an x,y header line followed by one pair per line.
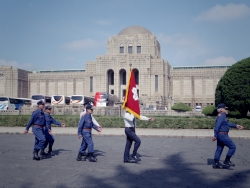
x,y
130,49
124,81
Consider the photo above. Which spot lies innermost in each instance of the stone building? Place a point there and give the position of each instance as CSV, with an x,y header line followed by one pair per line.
x,y
158,83
57,82
195,86
13,82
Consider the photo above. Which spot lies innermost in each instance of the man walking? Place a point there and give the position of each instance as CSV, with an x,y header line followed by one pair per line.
x,y
221,130
84,131
93,119
38,121
130,125
48,131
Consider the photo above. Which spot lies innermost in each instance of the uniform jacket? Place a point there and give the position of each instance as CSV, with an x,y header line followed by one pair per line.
x,y
130,119
222,125
37,118
50,120
93,119
86,122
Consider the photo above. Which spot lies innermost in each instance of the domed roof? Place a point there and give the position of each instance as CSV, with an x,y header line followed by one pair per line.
x,y
134,30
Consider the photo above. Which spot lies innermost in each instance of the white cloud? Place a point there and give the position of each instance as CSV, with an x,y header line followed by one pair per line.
x,y
222,60
26,66
224,13
82,44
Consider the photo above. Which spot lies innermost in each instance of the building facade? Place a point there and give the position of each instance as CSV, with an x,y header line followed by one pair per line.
x,y
135,48
13,82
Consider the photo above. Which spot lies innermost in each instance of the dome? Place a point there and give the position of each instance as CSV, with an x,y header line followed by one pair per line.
x,y
134,30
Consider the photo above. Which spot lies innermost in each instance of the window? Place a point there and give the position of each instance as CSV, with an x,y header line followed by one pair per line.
x,y
91,84
156,82
112,92
138,92
130,48
123,93
121,49
136,73
112,78
138,49
124,78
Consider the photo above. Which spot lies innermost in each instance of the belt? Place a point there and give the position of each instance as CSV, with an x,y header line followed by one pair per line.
x,y
86,129
223,132
38,126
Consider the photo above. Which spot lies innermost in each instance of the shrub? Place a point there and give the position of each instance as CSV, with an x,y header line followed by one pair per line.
x,y
117,122
210,110
234,113
181,107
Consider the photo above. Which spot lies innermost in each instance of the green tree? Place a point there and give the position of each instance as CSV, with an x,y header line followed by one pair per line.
x,y
210,110
181,107
233,88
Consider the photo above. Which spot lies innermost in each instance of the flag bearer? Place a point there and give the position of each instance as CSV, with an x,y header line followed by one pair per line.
x,y
130,125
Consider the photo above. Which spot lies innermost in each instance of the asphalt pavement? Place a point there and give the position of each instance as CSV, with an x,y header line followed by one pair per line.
x,y
176,162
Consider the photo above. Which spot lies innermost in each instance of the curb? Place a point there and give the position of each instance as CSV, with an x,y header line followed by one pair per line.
x,y
123,135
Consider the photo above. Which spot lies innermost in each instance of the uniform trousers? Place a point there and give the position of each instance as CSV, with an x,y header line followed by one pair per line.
x,y
131,136
224,140
39,137
49,138
87,142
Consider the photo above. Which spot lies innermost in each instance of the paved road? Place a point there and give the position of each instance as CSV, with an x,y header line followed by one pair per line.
x,y
166,162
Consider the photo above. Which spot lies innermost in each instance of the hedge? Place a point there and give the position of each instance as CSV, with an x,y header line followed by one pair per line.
x,y
117,122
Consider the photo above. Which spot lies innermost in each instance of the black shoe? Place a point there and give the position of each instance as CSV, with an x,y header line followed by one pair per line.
x,y
79,157
51,153
130,161
136,158
84,154
92,158
216,165
42,152
228,163
35,155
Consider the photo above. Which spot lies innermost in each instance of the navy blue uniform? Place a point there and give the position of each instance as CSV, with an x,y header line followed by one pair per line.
x,y
221,130
38,121
84,129
49,138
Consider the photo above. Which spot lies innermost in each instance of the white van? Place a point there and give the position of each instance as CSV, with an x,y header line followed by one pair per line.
x,y
198,108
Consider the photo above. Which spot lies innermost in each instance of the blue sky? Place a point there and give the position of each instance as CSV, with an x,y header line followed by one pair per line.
x,y
60,34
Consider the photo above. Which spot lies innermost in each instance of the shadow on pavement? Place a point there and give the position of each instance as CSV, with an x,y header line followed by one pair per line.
x,y
175,173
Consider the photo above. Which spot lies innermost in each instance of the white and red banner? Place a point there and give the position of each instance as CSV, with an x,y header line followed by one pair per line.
x,y
131,101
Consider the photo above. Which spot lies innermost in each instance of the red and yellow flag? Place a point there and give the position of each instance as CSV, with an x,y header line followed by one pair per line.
x,y
131,101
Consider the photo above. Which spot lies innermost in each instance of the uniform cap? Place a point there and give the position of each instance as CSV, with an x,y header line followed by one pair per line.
x,y
40,103
221,105
89,107
48,108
